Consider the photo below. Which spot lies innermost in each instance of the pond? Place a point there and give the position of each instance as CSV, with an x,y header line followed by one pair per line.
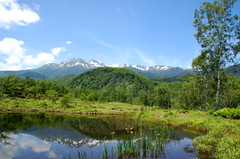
x,y
57,136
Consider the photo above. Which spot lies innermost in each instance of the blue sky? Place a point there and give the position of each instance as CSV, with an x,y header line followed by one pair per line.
x,y
117,32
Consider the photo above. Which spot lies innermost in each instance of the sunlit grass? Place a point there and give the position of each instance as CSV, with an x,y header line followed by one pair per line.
x,y
221,138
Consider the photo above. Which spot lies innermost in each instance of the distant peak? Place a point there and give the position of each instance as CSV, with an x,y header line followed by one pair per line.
x,y
93,63
144,68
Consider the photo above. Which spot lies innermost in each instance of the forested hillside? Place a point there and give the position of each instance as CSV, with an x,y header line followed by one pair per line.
x,y
126,86
16,87
110,77
110,84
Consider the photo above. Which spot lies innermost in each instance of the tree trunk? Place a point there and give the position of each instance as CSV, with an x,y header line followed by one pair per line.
x,y
206,95
218,89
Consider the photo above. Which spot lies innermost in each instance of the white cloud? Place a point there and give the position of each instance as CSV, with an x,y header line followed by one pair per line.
x,y
13,50
11,47
52,154
13,13
43,58
68,42
15,58
12,60
56,51
8,152
10,66
37,146
39,59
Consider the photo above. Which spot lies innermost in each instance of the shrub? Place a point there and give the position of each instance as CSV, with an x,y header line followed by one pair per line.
x,y
232,113
210,112
44,105
169,113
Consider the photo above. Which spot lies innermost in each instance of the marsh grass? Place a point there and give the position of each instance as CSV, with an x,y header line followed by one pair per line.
x,y
82,155
149,143
76,106
221,138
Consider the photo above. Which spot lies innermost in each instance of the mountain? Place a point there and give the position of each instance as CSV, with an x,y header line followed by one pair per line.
x,y
64,137
160,71
77,66
111,78
71,67
144,68
234,70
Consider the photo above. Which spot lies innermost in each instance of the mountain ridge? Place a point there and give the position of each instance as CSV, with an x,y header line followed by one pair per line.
x,y
78,65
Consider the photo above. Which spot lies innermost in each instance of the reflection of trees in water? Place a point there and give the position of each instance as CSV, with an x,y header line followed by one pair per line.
x,y
11,122
104,127
4,137
15,121
91,128
95,127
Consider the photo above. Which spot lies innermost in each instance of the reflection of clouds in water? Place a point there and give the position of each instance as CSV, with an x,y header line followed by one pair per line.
x,y
51,154
37,146
8,152
24,141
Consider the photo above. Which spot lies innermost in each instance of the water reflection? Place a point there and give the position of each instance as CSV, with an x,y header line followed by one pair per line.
x,y
55,136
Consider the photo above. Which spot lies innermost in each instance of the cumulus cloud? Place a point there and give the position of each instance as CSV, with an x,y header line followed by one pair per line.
x,y
56,51
12,47
12,60
15,56
12,13
40,58
10,66
43,58
13,51
52,154
37,146
20,142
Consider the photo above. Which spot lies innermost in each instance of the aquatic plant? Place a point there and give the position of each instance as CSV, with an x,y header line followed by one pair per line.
x,y
82,155
105,152
149,143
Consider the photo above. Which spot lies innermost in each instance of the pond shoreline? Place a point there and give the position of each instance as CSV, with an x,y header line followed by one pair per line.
x,y
220,133
57,112
87,134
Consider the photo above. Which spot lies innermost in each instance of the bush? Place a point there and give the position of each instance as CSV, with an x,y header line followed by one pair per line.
x,y
210,112
169,113
44,105
232,113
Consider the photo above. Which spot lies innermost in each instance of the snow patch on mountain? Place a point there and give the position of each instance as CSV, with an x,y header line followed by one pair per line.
x,y
90,64
144,68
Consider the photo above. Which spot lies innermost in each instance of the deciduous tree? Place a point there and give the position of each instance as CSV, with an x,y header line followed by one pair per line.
x,y
218,34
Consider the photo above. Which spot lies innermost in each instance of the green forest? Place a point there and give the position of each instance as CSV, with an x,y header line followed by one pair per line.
x,y
126,86
196,100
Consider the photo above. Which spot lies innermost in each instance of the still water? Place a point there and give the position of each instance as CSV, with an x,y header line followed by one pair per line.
x,y
40,136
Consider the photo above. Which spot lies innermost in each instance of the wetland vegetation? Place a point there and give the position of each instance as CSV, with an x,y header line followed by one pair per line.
x,y
207,101
59,136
